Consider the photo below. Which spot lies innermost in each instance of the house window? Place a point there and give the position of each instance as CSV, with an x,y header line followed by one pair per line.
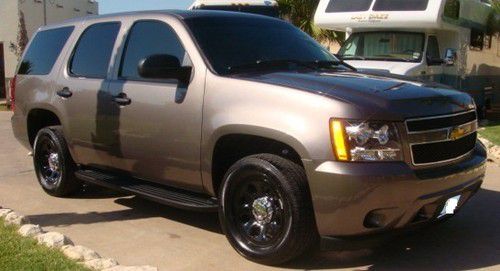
x,y
476,39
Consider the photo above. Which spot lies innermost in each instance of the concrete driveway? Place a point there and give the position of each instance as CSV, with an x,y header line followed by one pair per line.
x,y
136,232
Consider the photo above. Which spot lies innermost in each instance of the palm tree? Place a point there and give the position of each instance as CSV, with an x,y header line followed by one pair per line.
x,y
494,19
301,14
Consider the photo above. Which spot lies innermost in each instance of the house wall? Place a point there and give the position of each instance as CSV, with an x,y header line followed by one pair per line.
x,y
8,33
33,10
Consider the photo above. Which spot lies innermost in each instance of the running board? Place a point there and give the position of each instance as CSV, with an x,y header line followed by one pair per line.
x,y
156,192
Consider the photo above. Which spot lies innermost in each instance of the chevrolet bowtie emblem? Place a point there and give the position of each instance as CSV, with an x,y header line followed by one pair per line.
x,y
458,132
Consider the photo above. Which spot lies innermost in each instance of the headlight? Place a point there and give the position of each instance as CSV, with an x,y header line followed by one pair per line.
x,y
365,141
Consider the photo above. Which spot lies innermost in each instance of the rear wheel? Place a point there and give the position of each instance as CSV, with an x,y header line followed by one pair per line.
x,y
54,166
266,210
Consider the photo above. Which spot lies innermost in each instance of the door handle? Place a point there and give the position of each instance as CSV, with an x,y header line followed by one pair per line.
x,y
65,93
122,99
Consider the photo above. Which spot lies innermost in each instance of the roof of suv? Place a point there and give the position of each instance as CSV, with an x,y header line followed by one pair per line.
x,y
180,14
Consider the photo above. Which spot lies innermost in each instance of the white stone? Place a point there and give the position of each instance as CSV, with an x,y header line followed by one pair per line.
x,y
4,212
30,230
80,253
13,218
101,264
132,268
53,239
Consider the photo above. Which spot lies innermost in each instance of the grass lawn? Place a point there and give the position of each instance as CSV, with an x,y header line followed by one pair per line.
x,y
492,132
21,253
3,107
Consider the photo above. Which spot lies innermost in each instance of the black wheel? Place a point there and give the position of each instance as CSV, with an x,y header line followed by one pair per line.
x,y
54,166
266,210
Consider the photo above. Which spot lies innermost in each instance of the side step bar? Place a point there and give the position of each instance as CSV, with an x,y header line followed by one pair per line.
x,y
156,192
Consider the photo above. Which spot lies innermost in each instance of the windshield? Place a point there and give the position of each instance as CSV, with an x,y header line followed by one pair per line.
x,y
271,11
237,41
384,46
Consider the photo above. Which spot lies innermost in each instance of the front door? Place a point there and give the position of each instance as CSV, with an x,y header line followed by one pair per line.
x,y
160,130
91,134
2,73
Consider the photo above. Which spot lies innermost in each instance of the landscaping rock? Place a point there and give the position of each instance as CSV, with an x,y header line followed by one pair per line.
x,y
80,253
4,212
132,268
100,264
30,230
53,239
13,218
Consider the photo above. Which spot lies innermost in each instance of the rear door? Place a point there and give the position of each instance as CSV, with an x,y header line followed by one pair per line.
x,y
160,130
82,88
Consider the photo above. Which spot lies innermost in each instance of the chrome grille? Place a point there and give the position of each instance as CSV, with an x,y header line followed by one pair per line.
x,y
442,139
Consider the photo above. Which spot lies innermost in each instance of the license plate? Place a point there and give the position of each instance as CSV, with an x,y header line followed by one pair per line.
x,y
450,206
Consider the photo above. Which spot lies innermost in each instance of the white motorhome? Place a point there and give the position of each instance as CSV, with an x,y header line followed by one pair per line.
x,y
262,7
439,40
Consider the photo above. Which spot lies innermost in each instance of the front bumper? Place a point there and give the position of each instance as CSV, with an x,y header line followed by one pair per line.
x,y
356,199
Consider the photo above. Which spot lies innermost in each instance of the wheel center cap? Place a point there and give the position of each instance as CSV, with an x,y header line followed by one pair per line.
x,y
54,161
262,210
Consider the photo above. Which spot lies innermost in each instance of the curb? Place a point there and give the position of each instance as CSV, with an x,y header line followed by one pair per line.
x,y
80,254
493,150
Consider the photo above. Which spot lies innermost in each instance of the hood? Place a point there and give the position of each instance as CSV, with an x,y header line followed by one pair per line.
x,y
374,96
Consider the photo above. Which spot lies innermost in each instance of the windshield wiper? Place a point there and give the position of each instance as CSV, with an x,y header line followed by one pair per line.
x,y
331,64
269,64
353,57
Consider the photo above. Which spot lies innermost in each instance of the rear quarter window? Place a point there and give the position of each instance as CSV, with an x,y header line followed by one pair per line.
x,y
44,51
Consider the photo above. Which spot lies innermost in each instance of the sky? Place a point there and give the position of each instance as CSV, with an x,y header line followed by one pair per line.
x,y
113,6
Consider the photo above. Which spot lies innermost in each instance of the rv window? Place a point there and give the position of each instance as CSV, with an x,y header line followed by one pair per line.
x,y
433,50
452,9
384,46
348,5
400,5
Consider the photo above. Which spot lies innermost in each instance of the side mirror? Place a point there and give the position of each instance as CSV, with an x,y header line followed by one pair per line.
x,y
450,57
164,67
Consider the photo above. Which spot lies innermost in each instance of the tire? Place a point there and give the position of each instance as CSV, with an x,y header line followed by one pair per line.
x,y
266,209
57,176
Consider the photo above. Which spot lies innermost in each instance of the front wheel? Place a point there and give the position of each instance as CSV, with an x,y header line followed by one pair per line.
x,y
53,163
266,211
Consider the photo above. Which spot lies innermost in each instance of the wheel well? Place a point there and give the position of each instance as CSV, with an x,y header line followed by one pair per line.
x,y
231,148
39,119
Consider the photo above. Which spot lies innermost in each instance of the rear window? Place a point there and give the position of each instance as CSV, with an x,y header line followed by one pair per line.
x,y
400,5
44,51
348,5
93,53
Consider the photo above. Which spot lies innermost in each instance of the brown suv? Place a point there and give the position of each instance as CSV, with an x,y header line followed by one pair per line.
x,y
246,115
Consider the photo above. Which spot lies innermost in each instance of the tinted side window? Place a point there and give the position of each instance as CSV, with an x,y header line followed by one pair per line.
x,y
400,5
348,5
433,48
44,51
148,38
93,52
